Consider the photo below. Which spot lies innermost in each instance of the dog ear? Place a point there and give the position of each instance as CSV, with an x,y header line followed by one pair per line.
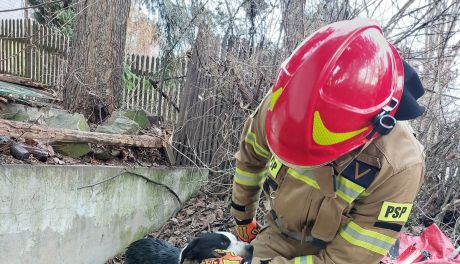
x,y
199,249
190,251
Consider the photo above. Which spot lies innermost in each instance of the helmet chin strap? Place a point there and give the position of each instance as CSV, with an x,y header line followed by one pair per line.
x,y
383,123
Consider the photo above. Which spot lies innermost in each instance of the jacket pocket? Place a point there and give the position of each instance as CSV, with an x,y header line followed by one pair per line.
x,y
329,219
292,202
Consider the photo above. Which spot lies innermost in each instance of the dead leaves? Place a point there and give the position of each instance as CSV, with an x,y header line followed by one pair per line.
x,y
203,213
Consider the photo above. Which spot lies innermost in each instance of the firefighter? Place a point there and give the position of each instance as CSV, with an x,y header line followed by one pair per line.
x,y
330,149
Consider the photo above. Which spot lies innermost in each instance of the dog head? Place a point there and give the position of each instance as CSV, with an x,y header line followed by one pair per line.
x,y
204,247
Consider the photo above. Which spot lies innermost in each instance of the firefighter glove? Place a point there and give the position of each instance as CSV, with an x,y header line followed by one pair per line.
x,y
247,230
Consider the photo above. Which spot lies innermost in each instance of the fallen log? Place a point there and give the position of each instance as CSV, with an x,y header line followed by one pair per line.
x,y
32,131
22,81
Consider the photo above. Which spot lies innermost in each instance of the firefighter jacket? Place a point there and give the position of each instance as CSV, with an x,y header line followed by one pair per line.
x,y
354,218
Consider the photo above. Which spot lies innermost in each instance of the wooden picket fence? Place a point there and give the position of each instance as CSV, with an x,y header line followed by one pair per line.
x,y
206,97
154,85
39,53
226,80
33,51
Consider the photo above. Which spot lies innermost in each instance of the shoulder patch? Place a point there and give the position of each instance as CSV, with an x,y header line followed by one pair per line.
x,y
360,173
274,166
395,212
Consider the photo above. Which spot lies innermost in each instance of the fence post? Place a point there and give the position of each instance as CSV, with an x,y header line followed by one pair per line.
x,y
33,51
146,78
9,47
153,96
2,43
28,54
14,47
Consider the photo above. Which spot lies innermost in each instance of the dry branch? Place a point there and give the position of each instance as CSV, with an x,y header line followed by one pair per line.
x,y
154,84
31,131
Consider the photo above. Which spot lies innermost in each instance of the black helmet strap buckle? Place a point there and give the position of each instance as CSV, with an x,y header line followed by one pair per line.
x,y
383,123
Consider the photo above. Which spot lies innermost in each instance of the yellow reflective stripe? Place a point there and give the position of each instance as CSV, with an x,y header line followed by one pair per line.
x,y
249,178
304,260
250,174
275,96
231,261
258,149
305,178
325,137
348,190
298,260
364,194
242,181
351,185
344,197
370,240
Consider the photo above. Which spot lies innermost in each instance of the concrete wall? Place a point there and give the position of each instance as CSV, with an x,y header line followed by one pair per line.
x,y
47,215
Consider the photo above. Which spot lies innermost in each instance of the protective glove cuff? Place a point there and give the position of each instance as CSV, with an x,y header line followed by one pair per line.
x,y
247,230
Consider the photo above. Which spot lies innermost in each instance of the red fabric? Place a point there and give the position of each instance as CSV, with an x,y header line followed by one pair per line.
x,y
433,241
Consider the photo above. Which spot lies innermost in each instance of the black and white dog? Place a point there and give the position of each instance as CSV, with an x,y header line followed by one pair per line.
x,y
156,251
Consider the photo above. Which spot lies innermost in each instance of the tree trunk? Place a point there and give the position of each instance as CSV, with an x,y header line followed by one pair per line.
x,y
293,23
93,82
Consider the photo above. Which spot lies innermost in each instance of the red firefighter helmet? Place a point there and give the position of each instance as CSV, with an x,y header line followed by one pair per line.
x,y
330,95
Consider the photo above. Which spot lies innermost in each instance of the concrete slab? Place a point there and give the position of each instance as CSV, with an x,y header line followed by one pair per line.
x,y
84,214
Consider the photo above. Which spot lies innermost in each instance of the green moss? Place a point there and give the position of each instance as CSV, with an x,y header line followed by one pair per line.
x,y
73,150
67,121
83,125
119,125
138,116
141,232
20,116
